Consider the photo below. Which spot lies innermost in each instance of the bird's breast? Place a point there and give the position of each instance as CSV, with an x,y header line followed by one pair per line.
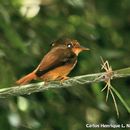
x,y
59,72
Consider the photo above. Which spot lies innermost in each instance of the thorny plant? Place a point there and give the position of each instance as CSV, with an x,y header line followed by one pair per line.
x,y
107,78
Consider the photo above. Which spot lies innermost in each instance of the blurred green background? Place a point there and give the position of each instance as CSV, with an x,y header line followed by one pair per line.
x,y
27,28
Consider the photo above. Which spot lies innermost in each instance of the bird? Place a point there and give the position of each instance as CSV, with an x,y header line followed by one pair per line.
x,y
57,63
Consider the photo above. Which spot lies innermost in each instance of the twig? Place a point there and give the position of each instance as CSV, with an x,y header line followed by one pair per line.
x,y
78,80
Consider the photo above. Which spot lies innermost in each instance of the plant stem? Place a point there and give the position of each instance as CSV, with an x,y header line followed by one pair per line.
x,y
74,81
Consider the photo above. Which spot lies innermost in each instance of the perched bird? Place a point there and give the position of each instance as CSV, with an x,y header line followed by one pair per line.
x,y
57,63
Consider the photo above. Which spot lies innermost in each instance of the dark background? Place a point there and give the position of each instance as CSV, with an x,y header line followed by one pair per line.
x,y
25,37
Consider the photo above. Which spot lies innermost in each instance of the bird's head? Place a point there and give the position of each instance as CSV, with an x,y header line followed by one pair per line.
x,y
71,44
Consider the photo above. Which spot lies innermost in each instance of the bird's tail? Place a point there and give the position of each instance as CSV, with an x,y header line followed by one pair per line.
x,y
26,79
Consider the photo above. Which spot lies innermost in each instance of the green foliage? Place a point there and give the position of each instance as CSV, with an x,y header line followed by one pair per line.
x,y
101,25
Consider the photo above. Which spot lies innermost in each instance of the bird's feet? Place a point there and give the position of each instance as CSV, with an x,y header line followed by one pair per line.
x,y
63,79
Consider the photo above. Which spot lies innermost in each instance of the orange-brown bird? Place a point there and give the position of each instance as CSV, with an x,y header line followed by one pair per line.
x,y
57,63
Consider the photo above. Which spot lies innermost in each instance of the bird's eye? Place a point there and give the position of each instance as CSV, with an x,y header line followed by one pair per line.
x,y
69,45
52,44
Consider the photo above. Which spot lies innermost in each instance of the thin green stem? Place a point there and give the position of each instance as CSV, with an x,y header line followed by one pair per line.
x,y
117,111
121,99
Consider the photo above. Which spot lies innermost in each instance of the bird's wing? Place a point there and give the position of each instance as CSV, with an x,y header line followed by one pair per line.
x,y
56,57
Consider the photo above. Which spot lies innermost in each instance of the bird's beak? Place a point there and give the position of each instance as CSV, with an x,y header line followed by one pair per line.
x,y
84,48
79,49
